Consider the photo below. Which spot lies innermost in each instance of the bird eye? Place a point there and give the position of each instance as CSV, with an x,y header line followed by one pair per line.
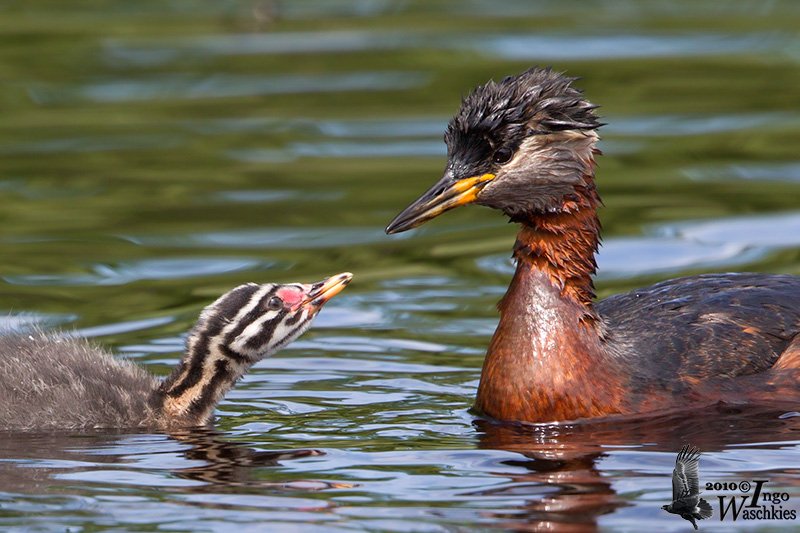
x,y
502,155
275,304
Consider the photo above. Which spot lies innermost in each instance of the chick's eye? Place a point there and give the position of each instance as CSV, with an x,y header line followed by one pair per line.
x,y
503,155
275,304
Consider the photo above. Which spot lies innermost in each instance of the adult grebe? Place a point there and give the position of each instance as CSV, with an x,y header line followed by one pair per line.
x,y
526,146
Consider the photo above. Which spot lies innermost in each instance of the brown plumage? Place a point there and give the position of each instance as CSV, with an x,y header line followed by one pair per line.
x,y
526,146
57,382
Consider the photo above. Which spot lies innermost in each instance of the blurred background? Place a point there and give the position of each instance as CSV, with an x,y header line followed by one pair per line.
x,y
158,153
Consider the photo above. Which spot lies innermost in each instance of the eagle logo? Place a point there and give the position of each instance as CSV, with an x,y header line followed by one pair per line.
x,y
686,500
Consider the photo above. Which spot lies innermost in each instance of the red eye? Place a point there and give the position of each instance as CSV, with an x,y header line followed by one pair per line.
x,y
275,304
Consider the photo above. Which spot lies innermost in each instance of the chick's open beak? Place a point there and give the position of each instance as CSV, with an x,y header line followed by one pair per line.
x,y
324,290
448,193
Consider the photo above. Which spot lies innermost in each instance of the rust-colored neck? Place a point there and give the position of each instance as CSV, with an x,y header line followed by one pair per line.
x,y
563,245
547,360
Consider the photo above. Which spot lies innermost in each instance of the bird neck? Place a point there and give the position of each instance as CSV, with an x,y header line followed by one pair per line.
x,y
208,370
562,245
547,359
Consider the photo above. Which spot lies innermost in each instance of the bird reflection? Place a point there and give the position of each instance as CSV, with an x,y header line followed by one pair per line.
x,y
565,490
33,462
228,465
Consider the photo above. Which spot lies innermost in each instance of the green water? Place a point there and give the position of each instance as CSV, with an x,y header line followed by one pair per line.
x,y
157,154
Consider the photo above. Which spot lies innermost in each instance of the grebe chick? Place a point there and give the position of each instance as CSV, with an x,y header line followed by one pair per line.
x,y
51,382
526,146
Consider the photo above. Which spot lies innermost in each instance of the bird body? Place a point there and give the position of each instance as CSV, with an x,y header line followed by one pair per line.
x,y
49,382
58,382
686,500
526,146
548,361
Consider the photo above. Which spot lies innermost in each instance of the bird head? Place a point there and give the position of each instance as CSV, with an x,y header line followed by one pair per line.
x,y
519,145
254,321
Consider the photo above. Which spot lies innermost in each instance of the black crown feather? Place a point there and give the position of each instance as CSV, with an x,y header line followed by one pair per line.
x,y
536,101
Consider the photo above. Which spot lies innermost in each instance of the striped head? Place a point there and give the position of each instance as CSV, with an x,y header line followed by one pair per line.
x,y
254,321
242,327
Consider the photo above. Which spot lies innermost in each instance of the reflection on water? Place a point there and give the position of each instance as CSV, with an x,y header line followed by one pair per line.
x,y
592,464
541,478
156,156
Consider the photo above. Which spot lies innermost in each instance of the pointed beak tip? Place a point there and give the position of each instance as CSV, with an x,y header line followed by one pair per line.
x,y
392,229
325,290
402,222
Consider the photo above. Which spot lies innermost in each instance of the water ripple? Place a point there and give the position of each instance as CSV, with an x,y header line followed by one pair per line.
x,y
620,46
27,321
675,125
145,269
756,231
266,238
274,196
363,149
785,172
185,87
122,327
156,52
94,144
536,47
348,365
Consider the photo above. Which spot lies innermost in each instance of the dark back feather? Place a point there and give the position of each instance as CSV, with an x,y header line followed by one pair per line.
x,y
714,325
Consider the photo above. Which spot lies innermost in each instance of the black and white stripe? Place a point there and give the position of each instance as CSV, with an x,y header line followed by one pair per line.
x,y
205,335
231,335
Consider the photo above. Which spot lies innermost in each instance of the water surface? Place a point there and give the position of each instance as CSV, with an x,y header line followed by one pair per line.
x,y
157,154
